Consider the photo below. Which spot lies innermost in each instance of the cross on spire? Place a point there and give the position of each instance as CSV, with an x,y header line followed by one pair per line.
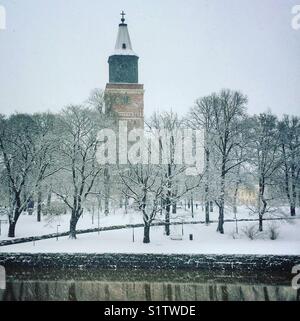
x,y
123,14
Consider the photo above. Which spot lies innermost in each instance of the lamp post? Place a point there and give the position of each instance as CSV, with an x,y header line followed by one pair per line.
x,y
57,226
98,211
93,212
98,222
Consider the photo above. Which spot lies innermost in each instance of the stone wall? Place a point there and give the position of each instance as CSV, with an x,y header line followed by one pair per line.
x,y
207,263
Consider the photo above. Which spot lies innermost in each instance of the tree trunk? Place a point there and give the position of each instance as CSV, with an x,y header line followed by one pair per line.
x,y
162,206
49,196
15,214
73,223
126,204
168,202
235,208
206,197
287,190
293,210
261,200
93,213
222,202
39,205
11,229
106,190
174,208
294,196
291,194
99,203
260,223
207,212
167,220
146,233
220,228
106,206
25,200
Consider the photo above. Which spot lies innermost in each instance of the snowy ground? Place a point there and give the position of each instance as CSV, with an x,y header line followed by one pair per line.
x,y
206,240
27,225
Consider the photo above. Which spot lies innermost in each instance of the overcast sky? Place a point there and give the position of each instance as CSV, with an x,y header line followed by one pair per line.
x,y
54,52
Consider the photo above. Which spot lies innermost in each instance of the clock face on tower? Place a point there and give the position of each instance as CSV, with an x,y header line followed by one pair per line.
x,y
122,70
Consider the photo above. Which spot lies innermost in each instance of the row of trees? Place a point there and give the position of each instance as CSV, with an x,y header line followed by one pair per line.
x,y
56,154
239,149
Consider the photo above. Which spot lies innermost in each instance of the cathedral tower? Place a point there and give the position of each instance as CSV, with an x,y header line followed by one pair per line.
x,y
123,92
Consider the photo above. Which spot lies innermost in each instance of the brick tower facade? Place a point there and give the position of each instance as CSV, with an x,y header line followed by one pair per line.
x,y
123,92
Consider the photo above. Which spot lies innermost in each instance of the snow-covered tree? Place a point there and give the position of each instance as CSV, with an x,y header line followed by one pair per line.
x,y
78,147
28,150
228,114
265,144
201,116
144,184
289,129
171,124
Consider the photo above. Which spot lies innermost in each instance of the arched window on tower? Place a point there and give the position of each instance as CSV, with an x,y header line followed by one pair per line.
x,y
124,45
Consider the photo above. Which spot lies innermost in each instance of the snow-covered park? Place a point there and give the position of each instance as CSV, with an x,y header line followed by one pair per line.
x,y
129,240
158,165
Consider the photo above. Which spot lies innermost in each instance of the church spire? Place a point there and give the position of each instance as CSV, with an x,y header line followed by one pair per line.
x,y
123,44
123,62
